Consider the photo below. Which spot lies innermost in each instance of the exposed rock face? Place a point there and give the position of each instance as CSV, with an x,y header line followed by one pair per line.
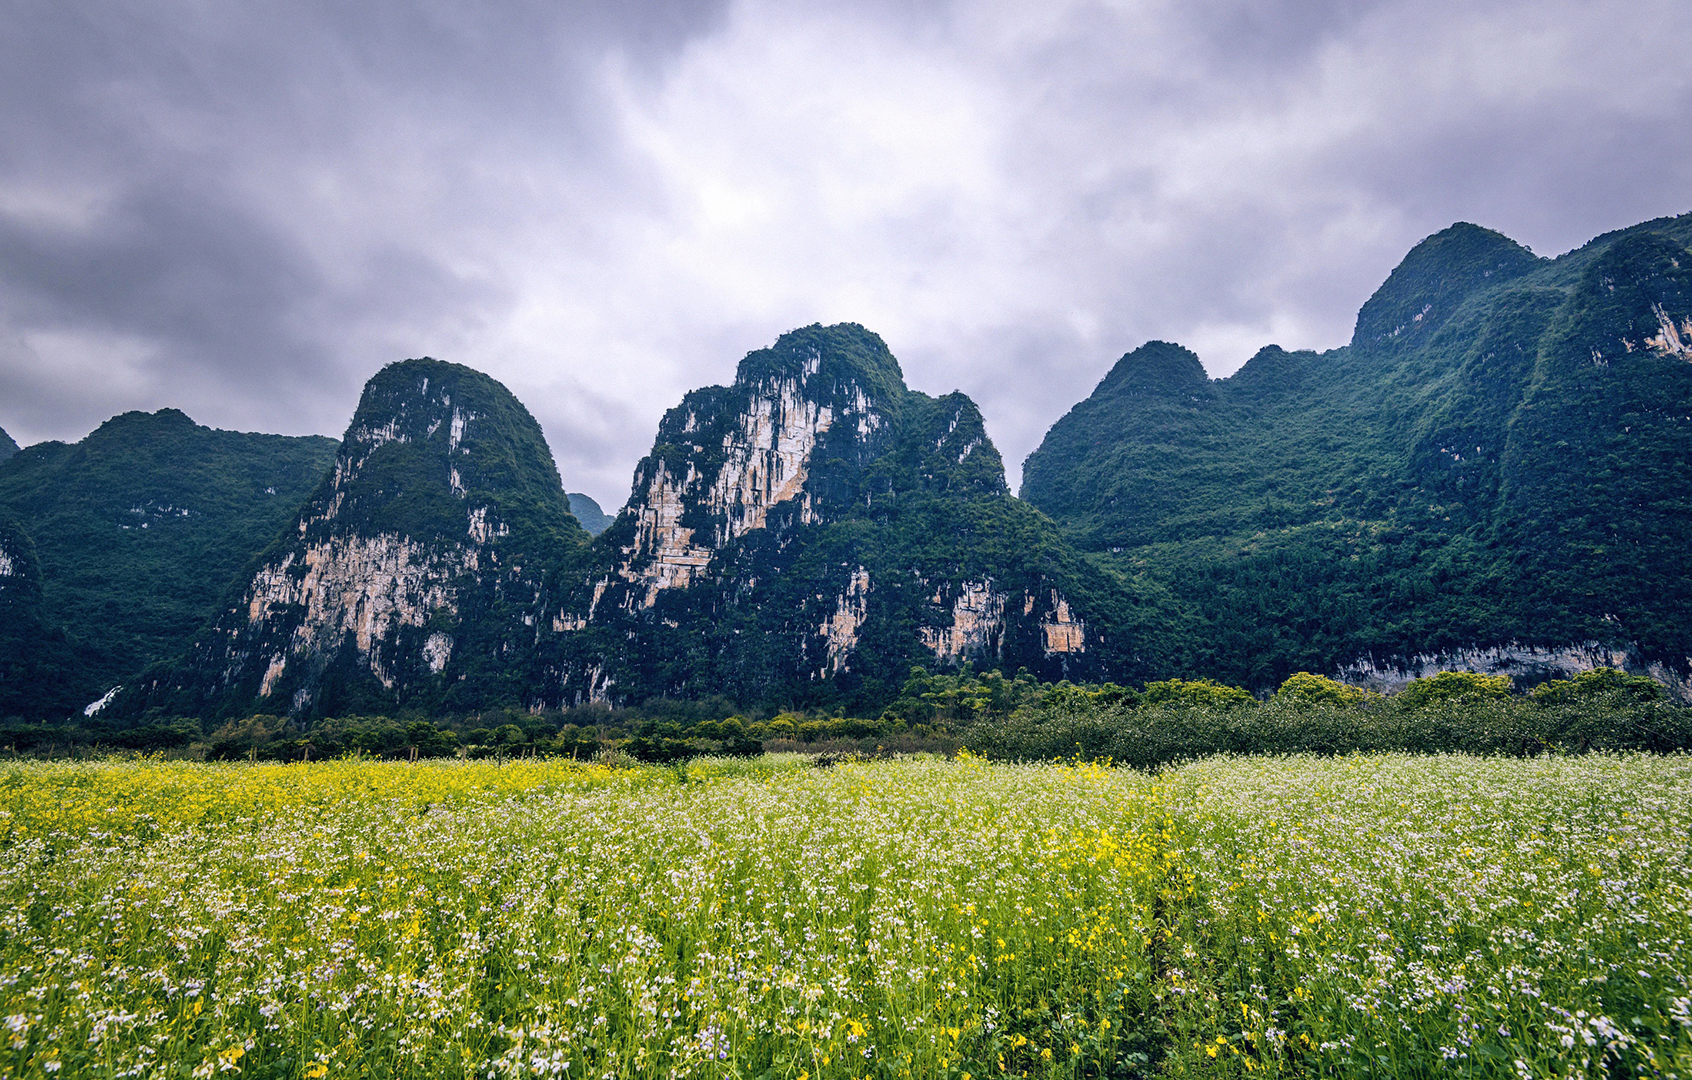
x,y
727,460
841,630
362,587
1526,664
1064,632
977,628
414,573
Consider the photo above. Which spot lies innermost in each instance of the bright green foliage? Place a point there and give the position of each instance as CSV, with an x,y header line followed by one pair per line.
x,y
142,529
1319,689
1201,693
1359,916
1449,687
1463,714
1600,684
1501,455
950,698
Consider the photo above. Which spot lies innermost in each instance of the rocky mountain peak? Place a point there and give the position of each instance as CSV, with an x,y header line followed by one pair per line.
x,y
8,445
1438,274
732,460
440,451
831,365
1155,369
416,564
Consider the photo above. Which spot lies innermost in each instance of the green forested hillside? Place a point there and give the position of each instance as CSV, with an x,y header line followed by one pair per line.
x,y
37,661
8,445
587,511
1500,455
140,529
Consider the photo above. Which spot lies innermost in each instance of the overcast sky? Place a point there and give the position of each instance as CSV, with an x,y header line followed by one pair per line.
x,y
244,210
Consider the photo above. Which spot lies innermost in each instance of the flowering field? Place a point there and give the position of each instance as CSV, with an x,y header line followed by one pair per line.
x,y
1383,916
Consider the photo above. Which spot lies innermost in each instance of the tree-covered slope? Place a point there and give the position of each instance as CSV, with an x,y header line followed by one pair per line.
x,y
141,526
810,532
587,511
410,578
8,445
37,661
1498,461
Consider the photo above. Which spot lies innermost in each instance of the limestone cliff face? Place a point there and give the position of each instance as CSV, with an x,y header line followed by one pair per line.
x,y
812,530
414,573
729,458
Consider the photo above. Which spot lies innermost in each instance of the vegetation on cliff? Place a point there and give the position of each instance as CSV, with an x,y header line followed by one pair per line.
x,y
806,535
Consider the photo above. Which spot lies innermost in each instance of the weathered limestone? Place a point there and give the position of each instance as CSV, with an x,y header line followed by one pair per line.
x,y
978,624
840,631
363,586
1671,340
1524,663
1064,631
765,459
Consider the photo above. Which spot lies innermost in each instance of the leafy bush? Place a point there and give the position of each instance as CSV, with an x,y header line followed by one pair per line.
x,y
1199,693
1454,686
1303,686
1601,683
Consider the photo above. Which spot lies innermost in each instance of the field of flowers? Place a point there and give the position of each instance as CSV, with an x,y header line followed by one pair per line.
x,y
1357,916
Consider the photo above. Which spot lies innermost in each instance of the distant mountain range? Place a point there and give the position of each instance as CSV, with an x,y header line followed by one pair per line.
x,y
1495,474
593,519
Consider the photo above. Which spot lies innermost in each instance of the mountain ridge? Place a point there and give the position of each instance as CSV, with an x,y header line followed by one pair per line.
x,y
1405,496
140,525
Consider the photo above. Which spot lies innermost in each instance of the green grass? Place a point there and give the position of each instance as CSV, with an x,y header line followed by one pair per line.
x,y
1364,915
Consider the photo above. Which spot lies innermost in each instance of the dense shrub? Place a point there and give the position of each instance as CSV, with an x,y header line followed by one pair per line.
x,y
1472,714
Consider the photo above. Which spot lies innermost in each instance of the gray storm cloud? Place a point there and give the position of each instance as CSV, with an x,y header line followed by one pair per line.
x,y
245,211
